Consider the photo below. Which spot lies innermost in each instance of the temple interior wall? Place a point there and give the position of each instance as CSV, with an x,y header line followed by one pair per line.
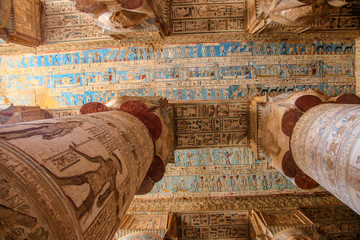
x,y
79,64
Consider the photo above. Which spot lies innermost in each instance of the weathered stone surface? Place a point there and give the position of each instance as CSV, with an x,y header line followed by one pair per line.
x,y
157,169
72,177
296,16
135,108
281,223
233,203
93,107
151,112
280,117
294,233
326,146
348,99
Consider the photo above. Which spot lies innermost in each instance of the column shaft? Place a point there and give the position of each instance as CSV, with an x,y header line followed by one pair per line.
x,y
326,146
71,178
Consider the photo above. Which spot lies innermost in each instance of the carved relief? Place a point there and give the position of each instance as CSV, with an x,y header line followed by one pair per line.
x,y
280,117
18,215
91,167
297,16
96,76
150,223
281,224
213,225
335,222
125,19
322,143
233,203
210,125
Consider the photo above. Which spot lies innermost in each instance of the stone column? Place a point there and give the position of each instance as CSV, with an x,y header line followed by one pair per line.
x,y
72,178
357,66
311,137
326,145
279,118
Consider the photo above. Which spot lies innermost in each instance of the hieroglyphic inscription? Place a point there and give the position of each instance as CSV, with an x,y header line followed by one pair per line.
x,y
326,141
232,225
221,172
207,11
339,23
101,220
335,222
68,20
221,71
210,203
206,125
64,160
74,34
210,140
198,219
343,18
79,180
59,6
207,25
64,23
205,16
17,203
17,212
156,224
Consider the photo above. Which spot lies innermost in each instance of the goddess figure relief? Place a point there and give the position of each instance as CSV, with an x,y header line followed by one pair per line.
x,y
124,14
299,12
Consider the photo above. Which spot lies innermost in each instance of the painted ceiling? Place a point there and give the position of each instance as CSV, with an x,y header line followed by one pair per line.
x,y
65,24
207,59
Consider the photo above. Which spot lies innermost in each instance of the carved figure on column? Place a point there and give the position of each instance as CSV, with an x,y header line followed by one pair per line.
x,y
115,16
294,13
148,110
75,177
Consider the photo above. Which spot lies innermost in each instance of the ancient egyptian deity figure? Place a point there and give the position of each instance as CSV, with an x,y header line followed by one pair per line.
x,y
117,15
289,15
299,12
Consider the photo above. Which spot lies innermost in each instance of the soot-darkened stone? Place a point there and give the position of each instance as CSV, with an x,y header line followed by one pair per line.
x,y
93,107
135,108
153,124
157,169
